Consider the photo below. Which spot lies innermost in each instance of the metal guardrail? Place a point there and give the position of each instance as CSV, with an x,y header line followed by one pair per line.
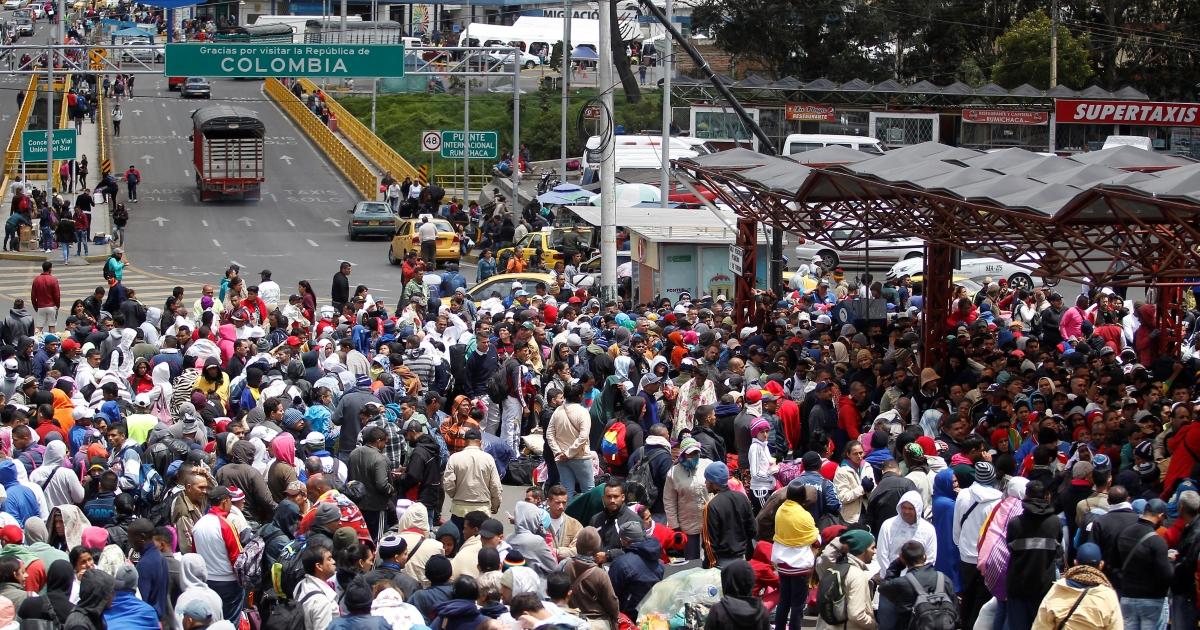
x,y
64,122
12,155
452,183
376,150
359,175
103,139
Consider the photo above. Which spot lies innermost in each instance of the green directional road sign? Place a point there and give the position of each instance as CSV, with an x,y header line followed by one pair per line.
x,y
284,60
33,145
485,145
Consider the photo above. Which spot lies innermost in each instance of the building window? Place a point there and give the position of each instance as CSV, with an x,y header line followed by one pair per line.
x,y
990,136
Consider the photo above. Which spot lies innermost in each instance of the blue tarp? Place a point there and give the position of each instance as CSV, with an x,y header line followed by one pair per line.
x,y
583,52
133,32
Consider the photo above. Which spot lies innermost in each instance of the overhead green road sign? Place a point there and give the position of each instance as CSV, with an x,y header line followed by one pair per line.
x,y
33,145
485,145
233,60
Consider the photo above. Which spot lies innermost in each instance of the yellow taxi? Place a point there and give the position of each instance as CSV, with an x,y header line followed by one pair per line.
x,y
449,249
549,241
503,284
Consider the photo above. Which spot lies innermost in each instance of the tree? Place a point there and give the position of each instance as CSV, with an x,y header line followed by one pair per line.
x,y
790,38
1025,55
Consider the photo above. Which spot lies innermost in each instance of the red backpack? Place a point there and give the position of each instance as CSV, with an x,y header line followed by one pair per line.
x,y
613,447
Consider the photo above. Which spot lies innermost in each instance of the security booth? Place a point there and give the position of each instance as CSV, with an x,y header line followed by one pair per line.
x,y
675,250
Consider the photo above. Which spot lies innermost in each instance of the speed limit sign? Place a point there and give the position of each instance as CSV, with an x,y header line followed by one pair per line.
x,y
431,140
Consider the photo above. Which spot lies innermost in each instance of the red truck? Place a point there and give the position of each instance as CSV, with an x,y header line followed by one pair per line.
x,y
227,150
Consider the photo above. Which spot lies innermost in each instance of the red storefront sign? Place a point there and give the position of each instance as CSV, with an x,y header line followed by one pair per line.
x,y
1105,112
801,111
1005,117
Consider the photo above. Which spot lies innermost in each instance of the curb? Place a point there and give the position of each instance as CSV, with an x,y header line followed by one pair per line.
x,y
42,256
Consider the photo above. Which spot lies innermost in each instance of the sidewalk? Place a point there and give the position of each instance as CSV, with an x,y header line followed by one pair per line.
x,y
87,143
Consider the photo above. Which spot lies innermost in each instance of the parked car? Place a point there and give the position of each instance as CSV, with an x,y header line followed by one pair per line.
x,y
15,4
196,86
502,284
978,267
142,50
528,61
371,218
883,252
802,142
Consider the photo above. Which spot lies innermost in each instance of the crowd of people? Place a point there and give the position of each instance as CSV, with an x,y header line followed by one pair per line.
x,y
249,458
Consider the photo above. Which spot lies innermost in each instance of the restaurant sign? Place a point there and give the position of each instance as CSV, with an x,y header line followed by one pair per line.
x,y
1004,117
802,111
1106,112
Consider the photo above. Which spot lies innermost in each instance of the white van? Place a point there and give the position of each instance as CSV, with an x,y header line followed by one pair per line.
x,y
1140,142
801,142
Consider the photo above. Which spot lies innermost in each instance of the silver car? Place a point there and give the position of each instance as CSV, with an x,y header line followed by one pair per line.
x,y
883,252
979,267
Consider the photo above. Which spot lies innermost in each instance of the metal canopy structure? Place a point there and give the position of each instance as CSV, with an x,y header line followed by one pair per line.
x,y
1119,217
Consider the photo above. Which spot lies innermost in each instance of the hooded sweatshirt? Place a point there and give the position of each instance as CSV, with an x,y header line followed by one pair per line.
x,y
194,580
943,523
530,540
896,531
738,609
20,502
95,589
635,572
60,485
971,508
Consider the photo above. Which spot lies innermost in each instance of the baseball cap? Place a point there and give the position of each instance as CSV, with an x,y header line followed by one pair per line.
x,y
1089,554
1156,506
198,609
314,439
141,400
491,528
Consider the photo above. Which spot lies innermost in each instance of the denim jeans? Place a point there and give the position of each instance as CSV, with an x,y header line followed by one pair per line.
x,y
886,618
66,251
1021,613
579,470
81,242
1142,613
1183,613
793,597
232,596
119,234
47,237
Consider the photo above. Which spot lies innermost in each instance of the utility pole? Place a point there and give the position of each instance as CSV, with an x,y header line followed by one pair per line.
x,y
467,110
665,182
1053,44
608,167
516,177
566,83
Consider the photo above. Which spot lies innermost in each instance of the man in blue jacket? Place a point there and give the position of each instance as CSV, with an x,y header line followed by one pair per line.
x,y
660,466
153,575
636,571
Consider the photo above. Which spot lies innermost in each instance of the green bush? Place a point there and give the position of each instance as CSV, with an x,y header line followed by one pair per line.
x,y
400,119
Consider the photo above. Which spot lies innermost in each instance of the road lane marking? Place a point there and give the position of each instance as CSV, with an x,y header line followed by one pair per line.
x,y
216,243
290,223
204,222
185,173
273,198
180,150
313,243
168,119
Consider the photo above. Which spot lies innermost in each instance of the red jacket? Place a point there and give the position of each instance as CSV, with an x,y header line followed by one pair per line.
x,y
849,417
44,293
670,539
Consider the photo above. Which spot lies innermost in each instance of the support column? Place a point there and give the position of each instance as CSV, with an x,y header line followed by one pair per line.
x,y
937,292
743,285
1169,313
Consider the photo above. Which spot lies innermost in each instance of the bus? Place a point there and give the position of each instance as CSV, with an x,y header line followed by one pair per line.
x,y
257,34
364,32
227,150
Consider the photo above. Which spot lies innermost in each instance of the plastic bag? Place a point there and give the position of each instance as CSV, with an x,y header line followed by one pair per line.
x,y
669,596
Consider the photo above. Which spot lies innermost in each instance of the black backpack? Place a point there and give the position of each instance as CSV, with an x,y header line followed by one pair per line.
x,y
832,596
288,614
640,482
497,385
933,610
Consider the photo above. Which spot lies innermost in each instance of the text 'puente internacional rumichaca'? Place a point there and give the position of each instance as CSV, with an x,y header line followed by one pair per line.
x,y
1118,217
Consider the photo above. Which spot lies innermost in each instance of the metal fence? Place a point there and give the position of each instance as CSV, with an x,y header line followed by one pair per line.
x,y
376,150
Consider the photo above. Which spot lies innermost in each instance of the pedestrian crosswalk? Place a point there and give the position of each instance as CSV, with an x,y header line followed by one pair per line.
x,y
77,283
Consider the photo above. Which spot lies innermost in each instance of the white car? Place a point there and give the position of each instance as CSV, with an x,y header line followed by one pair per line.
x,y
39,11
15,4
528,61
884,251
979,267
142,50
